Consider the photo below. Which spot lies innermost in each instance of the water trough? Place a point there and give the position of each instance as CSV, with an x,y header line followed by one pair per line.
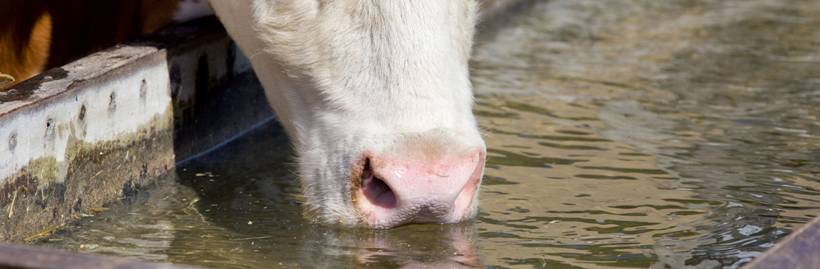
x,y
101,129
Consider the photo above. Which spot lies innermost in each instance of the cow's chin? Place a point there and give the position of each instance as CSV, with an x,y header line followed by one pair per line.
x,y
364,213
374,215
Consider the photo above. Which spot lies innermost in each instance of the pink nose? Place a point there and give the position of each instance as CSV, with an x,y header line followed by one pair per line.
x,y
394,190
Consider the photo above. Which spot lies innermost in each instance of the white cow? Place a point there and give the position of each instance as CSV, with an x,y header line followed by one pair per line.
x,y
376,97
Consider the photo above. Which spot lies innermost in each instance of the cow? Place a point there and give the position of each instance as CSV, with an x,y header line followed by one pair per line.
x,y
374,95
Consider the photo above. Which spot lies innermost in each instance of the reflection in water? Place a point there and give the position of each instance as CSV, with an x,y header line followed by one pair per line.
x,y
621,134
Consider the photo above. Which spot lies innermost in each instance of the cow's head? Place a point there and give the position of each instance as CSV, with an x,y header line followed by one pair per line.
x,y
376,98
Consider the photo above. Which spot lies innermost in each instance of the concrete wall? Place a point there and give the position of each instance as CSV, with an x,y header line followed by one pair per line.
x,y
96,130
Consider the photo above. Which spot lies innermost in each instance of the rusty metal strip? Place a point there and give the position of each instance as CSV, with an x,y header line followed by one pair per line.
x,y
801,249
20,257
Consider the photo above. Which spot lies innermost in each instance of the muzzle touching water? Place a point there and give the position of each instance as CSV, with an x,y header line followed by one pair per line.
x,y
391,190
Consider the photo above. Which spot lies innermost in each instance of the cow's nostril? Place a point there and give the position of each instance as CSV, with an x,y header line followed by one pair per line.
x,y
391,190
376,190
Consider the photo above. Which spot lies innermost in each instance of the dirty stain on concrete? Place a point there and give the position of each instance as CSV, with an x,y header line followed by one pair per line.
x,y
100,129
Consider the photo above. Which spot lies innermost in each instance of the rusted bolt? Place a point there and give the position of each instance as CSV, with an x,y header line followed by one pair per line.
x,y
112,102
81,116
143,90
50,128
12,141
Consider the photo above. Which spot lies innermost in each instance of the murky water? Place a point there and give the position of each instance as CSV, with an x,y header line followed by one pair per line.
x,y
621,134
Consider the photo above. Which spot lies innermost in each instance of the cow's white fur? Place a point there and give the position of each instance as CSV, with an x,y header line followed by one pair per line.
x,y
348,76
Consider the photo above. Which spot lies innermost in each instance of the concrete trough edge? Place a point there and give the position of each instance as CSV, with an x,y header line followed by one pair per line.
x,y
99,129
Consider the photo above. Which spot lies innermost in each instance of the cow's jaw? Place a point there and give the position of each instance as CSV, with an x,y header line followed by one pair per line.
x,y
370,81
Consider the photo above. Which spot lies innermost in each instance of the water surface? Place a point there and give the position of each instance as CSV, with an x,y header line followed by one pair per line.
x,y
621,134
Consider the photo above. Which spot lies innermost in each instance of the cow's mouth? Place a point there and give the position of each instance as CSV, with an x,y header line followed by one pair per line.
x,y
375,190
388,191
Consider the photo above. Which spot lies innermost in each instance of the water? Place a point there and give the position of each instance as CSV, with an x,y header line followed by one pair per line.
x,y
621,134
